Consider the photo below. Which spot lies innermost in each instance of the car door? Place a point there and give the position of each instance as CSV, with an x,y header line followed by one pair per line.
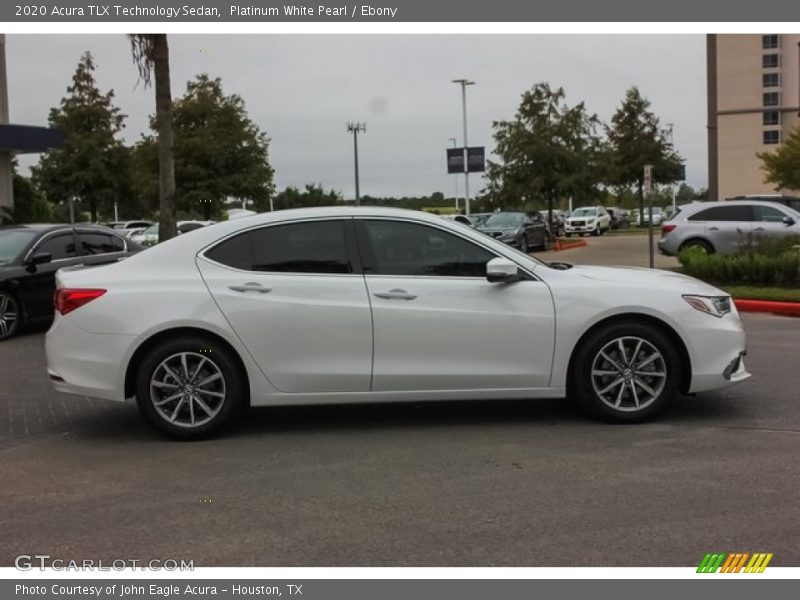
x,y
768,221
534,229
294,295
439,324
726,227
37,286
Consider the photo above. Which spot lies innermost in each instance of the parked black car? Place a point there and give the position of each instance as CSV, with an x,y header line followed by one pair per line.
x,y
518,229
30,255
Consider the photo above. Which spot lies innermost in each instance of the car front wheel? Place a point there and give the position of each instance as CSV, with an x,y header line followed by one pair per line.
x,y
189,387
9,315
627,372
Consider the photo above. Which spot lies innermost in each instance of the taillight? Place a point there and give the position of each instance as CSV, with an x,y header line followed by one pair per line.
x,y
667,227
67,300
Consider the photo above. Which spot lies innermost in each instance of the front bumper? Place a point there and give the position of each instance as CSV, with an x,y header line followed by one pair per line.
x,y
579,228
717,351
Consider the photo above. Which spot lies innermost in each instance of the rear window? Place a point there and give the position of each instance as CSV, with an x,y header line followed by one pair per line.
x,y
724,213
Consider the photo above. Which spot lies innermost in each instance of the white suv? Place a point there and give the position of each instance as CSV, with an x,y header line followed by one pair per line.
x,y
588,219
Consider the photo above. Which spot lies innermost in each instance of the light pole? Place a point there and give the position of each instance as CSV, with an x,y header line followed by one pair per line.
x,y
354,128
464,83
455,176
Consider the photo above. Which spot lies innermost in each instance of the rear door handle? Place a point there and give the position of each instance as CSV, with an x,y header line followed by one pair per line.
x,y
713,228
395,294
759,229
251,287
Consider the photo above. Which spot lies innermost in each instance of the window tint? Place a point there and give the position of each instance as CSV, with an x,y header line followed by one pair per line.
x,y
236,252
411,249
314,247
100,243
768,214
59,246
724,213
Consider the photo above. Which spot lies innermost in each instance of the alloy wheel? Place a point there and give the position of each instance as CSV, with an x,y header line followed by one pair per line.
x,y
628,374
187,389
9,316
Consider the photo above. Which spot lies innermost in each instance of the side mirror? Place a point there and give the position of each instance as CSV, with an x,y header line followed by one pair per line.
x,y
788,221
40,258
502,270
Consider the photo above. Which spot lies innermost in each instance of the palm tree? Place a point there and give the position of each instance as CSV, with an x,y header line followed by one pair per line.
x,y
151,56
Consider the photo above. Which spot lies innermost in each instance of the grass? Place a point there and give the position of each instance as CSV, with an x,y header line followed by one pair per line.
x,y
751,292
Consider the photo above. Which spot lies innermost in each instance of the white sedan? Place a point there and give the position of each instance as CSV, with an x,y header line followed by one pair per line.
x,y
342,305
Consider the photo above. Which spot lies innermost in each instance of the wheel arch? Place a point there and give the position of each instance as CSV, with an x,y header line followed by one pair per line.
x,y
662,326
155,339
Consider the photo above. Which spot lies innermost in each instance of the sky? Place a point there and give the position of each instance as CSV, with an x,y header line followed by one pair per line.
x,y
303,89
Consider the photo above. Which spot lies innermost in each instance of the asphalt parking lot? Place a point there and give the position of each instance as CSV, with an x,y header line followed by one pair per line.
x,y
450,484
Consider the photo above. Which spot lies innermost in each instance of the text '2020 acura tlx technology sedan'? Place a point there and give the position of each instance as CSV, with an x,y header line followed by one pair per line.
x,y
341,305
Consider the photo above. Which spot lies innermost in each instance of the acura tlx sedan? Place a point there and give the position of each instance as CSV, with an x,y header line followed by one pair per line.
x,y
342,305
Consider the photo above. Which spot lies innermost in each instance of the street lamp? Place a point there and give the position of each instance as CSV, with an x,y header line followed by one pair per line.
x,y
455,176
354,128
464,83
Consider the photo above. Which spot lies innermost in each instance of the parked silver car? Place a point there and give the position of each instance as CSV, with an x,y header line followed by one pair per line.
x,y
723,226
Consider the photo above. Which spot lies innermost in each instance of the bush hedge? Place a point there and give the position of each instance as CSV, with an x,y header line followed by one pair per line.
x,y
769,261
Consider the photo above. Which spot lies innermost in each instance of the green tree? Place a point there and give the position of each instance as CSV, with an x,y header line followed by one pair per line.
x,y
30,205
90,165
312,195
782,167
150,53
635,138
549,151
219,152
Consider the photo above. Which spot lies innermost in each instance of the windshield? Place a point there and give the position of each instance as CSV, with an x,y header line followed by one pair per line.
x,y
505,219
584,212
12,243
152,230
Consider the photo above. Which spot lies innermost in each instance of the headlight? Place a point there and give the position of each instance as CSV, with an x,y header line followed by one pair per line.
x,y
718,306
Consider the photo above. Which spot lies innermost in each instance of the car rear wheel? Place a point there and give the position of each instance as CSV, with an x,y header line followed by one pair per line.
x,y
701,244
9,315
627,372
189,387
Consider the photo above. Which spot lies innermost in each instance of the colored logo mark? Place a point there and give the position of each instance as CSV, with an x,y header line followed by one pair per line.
x,y
735,562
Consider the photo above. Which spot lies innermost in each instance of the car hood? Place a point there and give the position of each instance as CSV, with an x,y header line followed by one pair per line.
x,y
507,230
644,277
586,218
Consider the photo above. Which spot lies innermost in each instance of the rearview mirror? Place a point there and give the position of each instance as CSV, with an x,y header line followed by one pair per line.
x,y
788,221
502,270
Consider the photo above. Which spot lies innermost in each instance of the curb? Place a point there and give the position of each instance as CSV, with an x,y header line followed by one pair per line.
x,y
558,247
789,309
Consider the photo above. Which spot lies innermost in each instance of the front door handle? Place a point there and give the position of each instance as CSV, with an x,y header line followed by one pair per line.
x,y
759,229
713,228
251,287
395,294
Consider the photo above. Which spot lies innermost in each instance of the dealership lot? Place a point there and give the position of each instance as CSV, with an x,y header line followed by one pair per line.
x,y
451,484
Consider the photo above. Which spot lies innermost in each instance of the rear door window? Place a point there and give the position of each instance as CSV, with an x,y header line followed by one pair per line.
x,y
100,243
724,213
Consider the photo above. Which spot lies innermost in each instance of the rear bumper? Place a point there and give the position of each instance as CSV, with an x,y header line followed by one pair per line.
x,y
86,364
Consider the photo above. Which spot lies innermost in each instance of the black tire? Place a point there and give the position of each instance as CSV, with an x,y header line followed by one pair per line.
x,y
567,234
583,385
218,360
698,243
596,231
10,315
523,244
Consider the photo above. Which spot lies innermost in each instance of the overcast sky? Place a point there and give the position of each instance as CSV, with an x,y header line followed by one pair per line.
x,y
302,89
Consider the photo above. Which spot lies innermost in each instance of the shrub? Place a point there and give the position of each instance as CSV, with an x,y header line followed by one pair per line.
x,y
779,265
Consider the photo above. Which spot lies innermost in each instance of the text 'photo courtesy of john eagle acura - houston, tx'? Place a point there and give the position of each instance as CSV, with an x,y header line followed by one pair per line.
x,y
345,305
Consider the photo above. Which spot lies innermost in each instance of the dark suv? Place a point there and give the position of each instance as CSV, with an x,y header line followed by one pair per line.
x,y
518,229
